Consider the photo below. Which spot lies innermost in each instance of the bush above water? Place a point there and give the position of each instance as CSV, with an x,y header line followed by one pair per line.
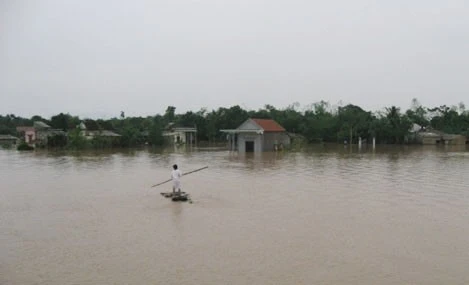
x,y
24,146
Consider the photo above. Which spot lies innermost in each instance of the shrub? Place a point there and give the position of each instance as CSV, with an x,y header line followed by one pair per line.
x,y
24,146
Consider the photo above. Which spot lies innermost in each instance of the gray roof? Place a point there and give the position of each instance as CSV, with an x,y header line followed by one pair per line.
x,y
109,133
41,125
7,137
429,135
105,133
55,132
184,129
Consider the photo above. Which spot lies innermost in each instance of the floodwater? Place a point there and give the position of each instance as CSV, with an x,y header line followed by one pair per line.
x,y
334,215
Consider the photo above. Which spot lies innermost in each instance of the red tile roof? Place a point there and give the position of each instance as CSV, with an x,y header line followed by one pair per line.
x,y
269,125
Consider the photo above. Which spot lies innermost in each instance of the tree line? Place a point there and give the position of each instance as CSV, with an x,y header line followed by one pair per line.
x,y
318,122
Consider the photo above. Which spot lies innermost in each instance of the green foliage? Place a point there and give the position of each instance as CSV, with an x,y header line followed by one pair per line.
x,y
38,118
169,115
398,125
64,122
4,130
353,122
60,121
77,141
9,123
100,142
155,134
449,120
92,125
57,141
318,123
24,146
130,137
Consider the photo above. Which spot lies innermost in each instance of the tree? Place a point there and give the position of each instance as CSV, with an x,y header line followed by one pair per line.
x,y
38,118
61,121
76,140
354,120
169,114
448,120
418,114
130,137
91,125
319,124
398,125
155,134
59,140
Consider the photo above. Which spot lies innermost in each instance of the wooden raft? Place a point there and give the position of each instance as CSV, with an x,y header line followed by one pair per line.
x,y
176,197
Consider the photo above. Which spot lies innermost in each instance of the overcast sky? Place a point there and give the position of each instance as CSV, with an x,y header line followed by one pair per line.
x,y
95,58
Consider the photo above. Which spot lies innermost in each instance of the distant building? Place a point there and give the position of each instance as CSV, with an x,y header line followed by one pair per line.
x,y
454,139
430,138
433,137
90,134
29,134
39,133
8,139
415,128
258,135
180,135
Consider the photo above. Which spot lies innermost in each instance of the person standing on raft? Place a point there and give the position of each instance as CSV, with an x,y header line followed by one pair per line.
x,y
176,177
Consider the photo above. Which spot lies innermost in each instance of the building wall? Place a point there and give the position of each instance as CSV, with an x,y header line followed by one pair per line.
x,y
458,140
275,138
265,142
262,142
181,135
30,136
41,137
184,137
242,138
431,140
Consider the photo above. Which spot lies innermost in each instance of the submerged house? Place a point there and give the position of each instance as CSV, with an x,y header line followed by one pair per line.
x,y
90,134
180,135
39,133
450,139
433,137
429,136
8,140
258,135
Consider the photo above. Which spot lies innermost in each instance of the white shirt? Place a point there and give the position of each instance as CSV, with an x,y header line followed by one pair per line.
x,y
176,174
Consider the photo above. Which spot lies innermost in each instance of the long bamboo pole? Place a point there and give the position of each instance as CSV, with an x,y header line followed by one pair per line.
x,y
187,173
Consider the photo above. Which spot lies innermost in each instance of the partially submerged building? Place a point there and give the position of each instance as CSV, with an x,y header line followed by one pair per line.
x,y
90,134
258,135
435,138
180,135
39,133
8,140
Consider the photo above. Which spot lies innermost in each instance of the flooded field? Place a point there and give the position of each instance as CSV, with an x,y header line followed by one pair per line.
x,y
334,215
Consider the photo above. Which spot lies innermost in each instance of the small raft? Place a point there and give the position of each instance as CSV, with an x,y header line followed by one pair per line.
x,y
176,197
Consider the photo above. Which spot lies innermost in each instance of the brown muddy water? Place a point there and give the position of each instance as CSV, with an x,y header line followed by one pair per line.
x,y
322,216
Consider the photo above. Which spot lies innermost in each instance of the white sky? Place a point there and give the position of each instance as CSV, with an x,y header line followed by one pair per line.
x,y
96,58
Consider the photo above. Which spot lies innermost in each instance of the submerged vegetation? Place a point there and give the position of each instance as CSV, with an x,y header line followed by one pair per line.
x,y
319,122
24,146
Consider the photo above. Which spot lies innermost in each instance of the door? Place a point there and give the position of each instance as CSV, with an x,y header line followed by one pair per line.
x,y
249,146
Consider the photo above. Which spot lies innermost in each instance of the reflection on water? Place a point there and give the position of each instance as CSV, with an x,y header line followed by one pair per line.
x,y
329,214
